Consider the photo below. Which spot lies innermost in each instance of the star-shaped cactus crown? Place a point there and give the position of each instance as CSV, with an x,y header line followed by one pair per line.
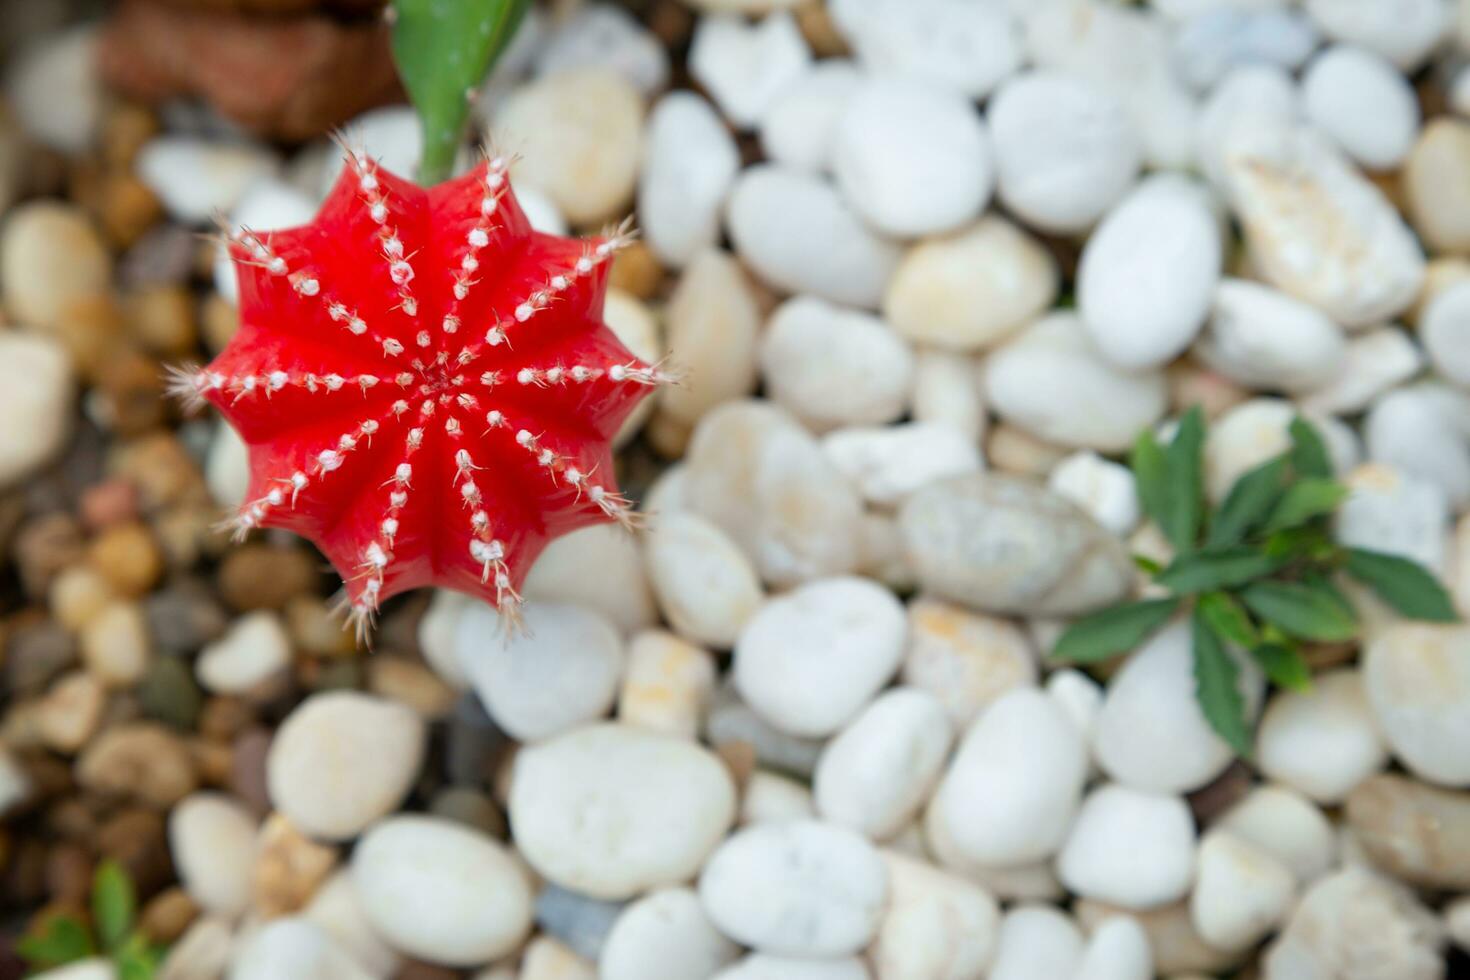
x,y
425,384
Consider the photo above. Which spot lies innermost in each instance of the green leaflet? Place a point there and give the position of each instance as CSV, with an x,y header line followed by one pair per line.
x,y
1148,465
1306,499
1217,689
1184,466
1284,666
443,49
113,905
1228,618
1249,501
1113,631
1201,571
1309,456
1312,611
1402,584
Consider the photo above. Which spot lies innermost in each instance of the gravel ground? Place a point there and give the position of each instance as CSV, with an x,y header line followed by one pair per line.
x,y
928,266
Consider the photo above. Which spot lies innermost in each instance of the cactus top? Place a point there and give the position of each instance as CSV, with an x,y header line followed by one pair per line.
x,y
425,384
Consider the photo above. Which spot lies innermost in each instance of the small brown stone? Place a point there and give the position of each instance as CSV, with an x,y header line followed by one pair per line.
x,y
188,533
143,761
636,270
45,546
69,873
126,208
315,630
214,761
129,397
161,318
111,502
286,77
167,915
1414,831
183,616
412,683
470,807
822,35
669,436
115,644
36,653
218,320
125,128
739,758
72,818
90,330
289,867
136,839
264,576
128,557
223,717
247,769
419,970
71,711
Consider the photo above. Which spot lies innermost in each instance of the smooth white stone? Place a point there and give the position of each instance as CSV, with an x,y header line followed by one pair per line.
x,y
1317,228
1117,950
1397,514
887,464
1404,32
809,660
732,720
211,838
255,649
1260,337
745,66
947,392
760,966
964,46
391,135
706,586
599,568
55,87
971,289
1011,792
877,771
436,635
800,888
689,165
1065,151
799,235
714,323
1148,273
937,926
1363,103
799,128
1036,941
832,366
1211,42
1252,432
1417,677
1052,381
1424,435
36,391
1241,893
602,35
1102,488
1322,742
1373,362
337,912
197,178
441,892
1130,848
292,949
1250,96
667,685
341,760
610,811
560,672
1444,328
768,796
912,158
965,659
1286,825
665,934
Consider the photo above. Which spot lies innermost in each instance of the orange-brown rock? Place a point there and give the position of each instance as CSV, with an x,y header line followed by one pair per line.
x,y
283,77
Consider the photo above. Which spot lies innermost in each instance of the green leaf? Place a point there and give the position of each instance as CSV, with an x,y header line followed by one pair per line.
x,y
1404,585
1147,564
1201,571
1217,689
64,940
1304,500
1151,476
1310,610
1248,503
113,904
1309,542
1184,467
1309,455
1227,617
443,49
1284,665
1113,631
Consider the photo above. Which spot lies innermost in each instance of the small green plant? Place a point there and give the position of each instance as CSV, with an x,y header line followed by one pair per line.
x,y
66,939
1256,572
443,49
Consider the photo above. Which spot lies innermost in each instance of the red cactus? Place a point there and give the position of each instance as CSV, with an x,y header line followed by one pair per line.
x,y
425,384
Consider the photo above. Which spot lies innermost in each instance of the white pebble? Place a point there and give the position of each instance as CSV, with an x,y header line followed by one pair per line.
x,y
1130,848
810,659
760,966
196,178
602,35
560,672
54,84
1262,338
1117,950
343,759
1148,273
1373,362
966,659
1241,893
937,926
665,934
1212,41
1286,825
667,686
967,47
337,912
745,66
947,392
1391,512
1403,32
706,586
800,236
610,811
1363,103
801,888
1417,679
291,948
1036,941
1014,784
877,771
211,838
1323,741
888,463
441,892
1104,489
1444,328
911,158
831,366
800,126
599,567
1422,432
36,391
255,650
1065,150
689,166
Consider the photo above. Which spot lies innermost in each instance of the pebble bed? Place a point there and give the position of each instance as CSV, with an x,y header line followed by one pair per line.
x,y
928,266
